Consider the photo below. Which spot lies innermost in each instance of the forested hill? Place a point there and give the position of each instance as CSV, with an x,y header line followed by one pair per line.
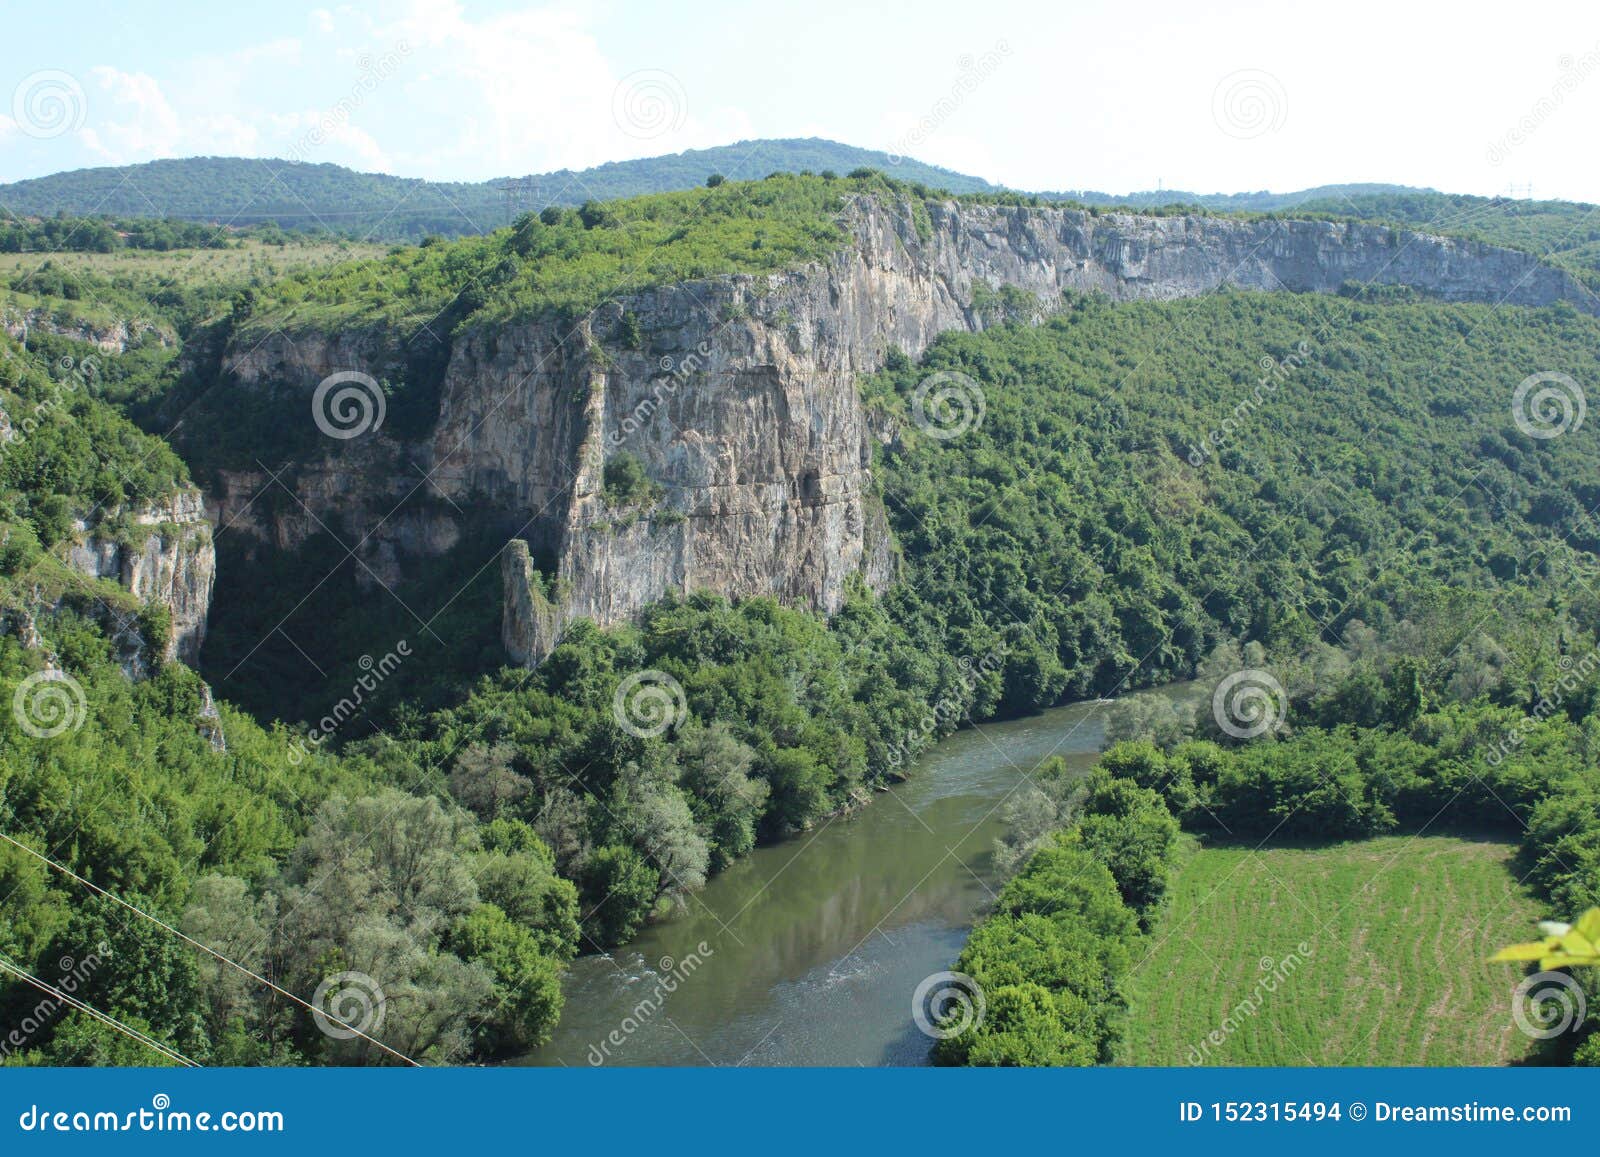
x,y
1325,480
240,192
243,191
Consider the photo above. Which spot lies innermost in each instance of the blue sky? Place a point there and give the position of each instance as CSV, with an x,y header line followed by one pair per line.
x,y
1112,96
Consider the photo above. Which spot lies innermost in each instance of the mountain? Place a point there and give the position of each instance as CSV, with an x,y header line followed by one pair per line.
x,y
645,442
245,191
721,396
239,191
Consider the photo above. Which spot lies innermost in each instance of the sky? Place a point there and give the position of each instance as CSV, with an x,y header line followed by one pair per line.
x,y
1117,97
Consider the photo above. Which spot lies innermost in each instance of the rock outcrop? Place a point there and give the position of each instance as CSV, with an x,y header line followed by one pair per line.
x,y
168,559
110,336
737,395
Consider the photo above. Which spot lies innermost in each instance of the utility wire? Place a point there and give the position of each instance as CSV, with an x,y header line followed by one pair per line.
x,y
74,1002
209,951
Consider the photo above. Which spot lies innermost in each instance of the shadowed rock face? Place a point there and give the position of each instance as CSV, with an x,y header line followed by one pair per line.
x,y
738,396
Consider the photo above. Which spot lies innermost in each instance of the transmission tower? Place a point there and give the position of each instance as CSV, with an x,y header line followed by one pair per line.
x,y
520,193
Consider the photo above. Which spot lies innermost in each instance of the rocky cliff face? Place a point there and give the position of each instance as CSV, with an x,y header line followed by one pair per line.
x,y
738,397
111,337
169,560
1127,256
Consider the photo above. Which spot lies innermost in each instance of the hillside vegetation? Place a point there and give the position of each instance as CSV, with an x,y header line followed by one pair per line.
x,y
1150,477
1336,486
240,191
571,260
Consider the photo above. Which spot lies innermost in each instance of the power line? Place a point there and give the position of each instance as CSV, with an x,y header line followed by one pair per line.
x,y
518,191
65,998
208,950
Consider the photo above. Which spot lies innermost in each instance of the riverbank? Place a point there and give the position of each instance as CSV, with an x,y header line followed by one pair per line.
x,y
808,951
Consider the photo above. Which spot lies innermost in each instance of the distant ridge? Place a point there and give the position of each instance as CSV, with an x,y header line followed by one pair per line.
x,y
241,191
246,191
1260,202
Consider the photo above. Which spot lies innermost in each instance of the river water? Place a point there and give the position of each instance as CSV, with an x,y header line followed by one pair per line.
x,y
808,952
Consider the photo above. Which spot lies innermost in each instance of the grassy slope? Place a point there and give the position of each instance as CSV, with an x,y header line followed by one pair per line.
x,y
1400,930
246,259
156,288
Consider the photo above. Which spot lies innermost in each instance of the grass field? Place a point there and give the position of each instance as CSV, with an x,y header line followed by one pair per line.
x,y
1398,929
202,265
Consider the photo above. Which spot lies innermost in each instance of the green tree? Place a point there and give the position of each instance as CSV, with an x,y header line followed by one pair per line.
x,y
527,995
619,890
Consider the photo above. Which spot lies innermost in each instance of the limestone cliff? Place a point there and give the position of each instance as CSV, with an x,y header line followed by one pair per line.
x,y
110,336
166,558
738,396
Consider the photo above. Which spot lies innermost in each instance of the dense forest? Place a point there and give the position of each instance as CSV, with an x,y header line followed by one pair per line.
x,y
1294,463
1337,482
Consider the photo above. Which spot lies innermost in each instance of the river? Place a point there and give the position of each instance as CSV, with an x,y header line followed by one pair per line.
x,y
813,947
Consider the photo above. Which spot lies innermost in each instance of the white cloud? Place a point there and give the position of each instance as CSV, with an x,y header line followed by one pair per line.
x,y
222,135
142,125
963,154
427,88
318,136
532,90
521,89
